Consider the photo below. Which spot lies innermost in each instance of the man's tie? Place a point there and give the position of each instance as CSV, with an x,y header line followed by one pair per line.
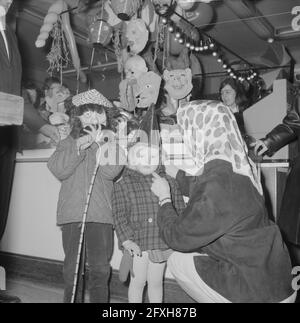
x,y
4,40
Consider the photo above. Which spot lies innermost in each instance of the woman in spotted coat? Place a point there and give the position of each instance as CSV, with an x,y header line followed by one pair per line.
x,y
228,249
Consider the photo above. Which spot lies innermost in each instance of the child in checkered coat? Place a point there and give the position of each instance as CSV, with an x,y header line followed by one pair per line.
x,y
135,209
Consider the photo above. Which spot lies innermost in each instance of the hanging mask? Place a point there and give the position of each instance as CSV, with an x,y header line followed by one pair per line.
x,y
127,98
147,89
164,8
137,35
125,9
178,83
135,66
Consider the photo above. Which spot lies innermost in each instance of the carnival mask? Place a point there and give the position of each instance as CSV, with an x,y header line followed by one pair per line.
x,y
164,8
135,66
92,118
147,90
137,35
55,96
178,83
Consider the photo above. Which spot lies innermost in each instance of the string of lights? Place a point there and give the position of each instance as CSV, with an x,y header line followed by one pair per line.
x,y
207,44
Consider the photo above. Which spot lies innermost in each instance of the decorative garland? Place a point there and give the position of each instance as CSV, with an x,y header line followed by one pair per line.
x,y
207,45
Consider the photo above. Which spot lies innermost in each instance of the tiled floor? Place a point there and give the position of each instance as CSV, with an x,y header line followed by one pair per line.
x,y
35,292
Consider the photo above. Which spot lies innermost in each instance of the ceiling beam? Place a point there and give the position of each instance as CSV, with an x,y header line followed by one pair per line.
x,y
92,68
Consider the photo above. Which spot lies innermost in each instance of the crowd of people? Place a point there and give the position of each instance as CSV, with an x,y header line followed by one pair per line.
x,y
218,241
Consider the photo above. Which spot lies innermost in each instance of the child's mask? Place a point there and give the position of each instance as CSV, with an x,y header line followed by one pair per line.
x,y
178,83
92,118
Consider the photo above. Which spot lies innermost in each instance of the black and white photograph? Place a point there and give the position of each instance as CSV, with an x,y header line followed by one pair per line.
x,y
149,154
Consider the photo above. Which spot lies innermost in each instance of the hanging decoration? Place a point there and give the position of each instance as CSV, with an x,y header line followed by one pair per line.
x,y
125,9
201,16
111,18
147,90
55,12
58,56
100,31
186,4
178,83
164,8
180,38
137,35
49,21
134,68
151,19
165,33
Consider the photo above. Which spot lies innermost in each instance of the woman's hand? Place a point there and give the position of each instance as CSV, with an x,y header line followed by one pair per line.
x,y
160,187
132,248
259,147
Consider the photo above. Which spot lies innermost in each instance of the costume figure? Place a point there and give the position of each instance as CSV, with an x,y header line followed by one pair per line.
x,y
73,164
228,249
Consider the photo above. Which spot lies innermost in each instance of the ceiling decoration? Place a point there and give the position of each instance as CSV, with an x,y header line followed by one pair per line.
x,y
219,36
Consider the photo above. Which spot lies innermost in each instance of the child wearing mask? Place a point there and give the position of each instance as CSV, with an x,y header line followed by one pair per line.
x,y
73,163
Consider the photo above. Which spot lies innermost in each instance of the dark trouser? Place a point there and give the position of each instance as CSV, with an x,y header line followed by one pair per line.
x,y
7,167
99,249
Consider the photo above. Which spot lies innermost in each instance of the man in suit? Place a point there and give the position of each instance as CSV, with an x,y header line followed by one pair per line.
x,y
10,82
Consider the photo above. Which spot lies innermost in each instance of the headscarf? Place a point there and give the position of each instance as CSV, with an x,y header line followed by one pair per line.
x,y
210,132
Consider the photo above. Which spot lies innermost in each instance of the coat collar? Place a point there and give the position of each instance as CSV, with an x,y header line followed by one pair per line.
x,y
133,173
